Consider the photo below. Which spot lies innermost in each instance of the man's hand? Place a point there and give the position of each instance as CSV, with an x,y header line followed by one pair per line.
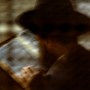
x,y
27,74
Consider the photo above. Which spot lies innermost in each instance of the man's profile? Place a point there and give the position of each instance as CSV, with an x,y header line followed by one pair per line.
x,y
65,64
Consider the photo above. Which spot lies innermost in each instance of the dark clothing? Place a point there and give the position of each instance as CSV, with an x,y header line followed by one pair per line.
x,y
71,72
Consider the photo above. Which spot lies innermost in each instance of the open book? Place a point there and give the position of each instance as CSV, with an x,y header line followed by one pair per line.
x,y
19,52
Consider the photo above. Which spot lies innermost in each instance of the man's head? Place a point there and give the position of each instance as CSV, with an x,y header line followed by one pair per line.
x,y
55,21
54,17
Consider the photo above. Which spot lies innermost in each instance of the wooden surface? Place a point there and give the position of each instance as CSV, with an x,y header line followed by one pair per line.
x,y
7,83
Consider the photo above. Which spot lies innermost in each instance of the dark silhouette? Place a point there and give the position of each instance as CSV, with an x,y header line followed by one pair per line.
x,y
65,64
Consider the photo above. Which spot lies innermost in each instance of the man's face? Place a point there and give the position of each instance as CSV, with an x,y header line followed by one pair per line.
x,y
57,37
63,32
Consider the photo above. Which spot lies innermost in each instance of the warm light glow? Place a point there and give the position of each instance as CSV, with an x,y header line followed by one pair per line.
x,y
16,28
4,28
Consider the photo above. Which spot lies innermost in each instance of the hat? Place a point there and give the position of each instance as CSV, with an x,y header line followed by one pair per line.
x,y
49,14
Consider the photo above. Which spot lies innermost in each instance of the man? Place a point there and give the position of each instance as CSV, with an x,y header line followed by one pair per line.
x,y
66,64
